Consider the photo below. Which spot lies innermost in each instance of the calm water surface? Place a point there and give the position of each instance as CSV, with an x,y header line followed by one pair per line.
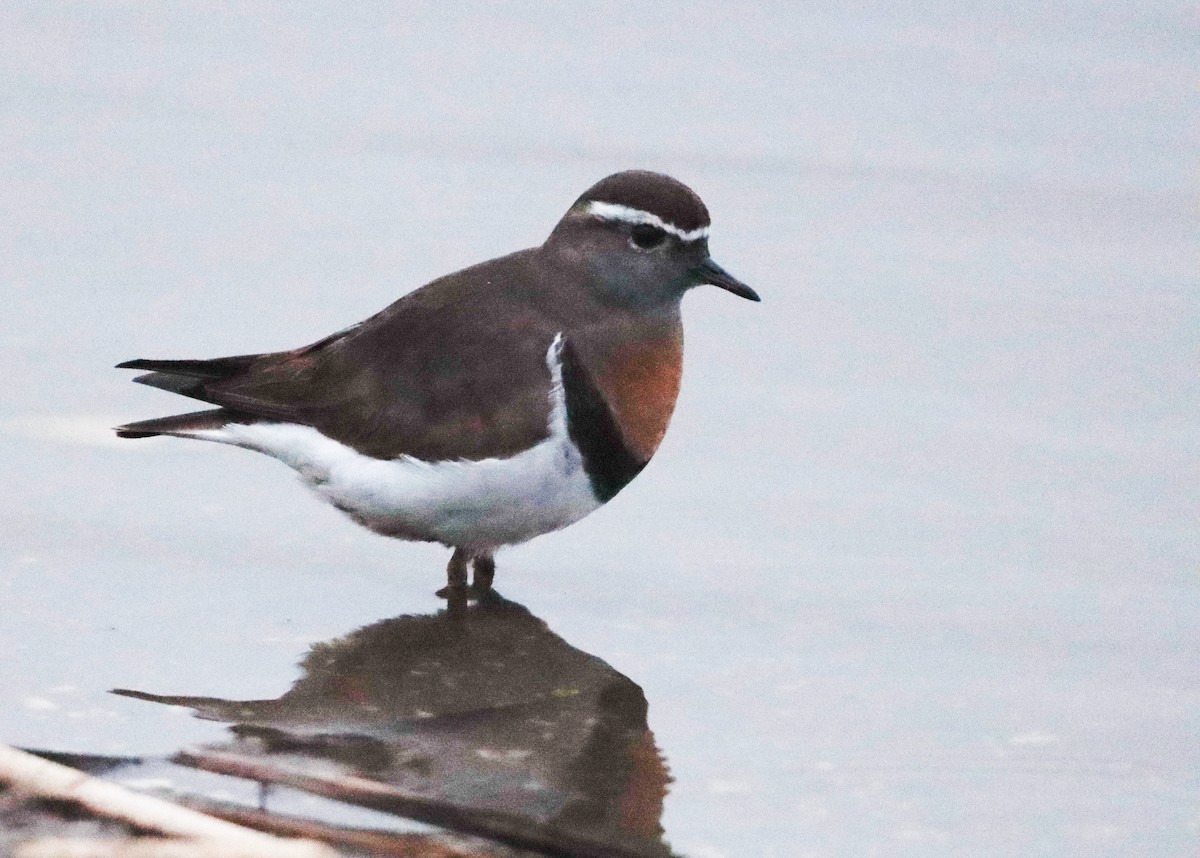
x,y
914,572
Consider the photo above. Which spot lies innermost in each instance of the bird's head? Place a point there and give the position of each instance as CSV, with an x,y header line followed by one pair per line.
x,y
642,239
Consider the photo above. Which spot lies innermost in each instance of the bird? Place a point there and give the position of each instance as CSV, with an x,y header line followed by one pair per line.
x,y
492,405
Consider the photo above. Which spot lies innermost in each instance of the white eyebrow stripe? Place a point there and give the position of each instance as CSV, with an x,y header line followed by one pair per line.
x,y
616,211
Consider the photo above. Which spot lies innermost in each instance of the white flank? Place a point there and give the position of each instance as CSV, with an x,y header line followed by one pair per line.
x,y
476,505
615,211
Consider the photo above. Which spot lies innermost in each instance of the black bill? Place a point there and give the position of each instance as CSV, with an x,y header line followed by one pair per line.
x,y
713,274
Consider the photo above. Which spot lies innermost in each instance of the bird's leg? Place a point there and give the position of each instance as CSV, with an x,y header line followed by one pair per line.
x,y
485,571
456,575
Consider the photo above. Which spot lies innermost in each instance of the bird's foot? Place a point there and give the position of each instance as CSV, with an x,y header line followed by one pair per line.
x,y
485,573
457,589
456,575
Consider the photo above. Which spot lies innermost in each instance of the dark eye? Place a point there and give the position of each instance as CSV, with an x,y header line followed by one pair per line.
x,y
646,235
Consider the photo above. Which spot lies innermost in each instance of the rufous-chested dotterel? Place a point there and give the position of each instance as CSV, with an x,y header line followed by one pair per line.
x,y
493,405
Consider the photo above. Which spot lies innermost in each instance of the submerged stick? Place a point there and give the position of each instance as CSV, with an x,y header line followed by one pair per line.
x,y
505,828
160,847
31,774
374,842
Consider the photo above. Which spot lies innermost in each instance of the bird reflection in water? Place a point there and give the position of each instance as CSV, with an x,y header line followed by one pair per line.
x,y
480,707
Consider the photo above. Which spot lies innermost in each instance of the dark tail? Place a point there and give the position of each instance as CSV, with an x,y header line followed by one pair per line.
x,y
188,377
182,424
214,368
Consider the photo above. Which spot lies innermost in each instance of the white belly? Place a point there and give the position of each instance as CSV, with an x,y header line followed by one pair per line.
x,y
477,505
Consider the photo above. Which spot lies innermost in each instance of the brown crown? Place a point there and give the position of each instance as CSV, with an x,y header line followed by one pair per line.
x,y
660,195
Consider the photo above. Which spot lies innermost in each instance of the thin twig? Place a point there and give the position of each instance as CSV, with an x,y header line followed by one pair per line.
x,y
33,775
152,847
379,843
507,828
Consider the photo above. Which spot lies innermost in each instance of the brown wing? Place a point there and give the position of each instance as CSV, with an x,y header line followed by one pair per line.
x,y
454,370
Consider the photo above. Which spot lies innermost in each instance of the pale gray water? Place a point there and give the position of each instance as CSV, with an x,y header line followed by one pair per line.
x,y
915,572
